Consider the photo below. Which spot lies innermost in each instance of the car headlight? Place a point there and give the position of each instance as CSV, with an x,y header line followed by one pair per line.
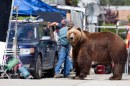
x,y
24,51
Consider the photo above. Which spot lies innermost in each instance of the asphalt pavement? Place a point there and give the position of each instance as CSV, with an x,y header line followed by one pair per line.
x,y
103,80
91,80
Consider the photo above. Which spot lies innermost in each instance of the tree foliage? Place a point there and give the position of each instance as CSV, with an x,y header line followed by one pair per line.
x,y
116,2
105,2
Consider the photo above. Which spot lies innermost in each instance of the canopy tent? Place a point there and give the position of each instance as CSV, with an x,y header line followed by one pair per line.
x,y
32,7
51,16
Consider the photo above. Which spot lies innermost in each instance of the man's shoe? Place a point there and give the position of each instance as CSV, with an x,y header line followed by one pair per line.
x,y
68,76
58,76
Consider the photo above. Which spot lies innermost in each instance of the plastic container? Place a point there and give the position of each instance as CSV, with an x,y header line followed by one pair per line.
x,y
100,69
24,71
12,63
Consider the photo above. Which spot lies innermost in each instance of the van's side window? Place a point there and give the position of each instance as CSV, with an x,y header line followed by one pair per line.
x,y
46,31
40,31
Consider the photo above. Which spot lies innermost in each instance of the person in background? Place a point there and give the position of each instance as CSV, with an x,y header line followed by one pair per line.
x,y
56,33
51,31
57,26
70,25
30,34
63,54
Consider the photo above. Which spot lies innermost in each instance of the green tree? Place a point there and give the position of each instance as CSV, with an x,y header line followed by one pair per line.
x,y
75,2
105,2
116,2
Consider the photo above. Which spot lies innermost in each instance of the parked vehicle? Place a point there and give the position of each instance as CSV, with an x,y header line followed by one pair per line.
x,y
39,52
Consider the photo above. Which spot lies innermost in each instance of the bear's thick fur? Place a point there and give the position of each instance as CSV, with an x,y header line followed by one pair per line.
x,y
104,47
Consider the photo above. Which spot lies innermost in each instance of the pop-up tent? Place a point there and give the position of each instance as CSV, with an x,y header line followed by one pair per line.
x,y
32,7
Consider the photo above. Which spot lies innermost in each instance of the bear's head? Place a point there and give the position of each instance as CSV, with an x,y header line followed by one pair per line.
x,y
75,36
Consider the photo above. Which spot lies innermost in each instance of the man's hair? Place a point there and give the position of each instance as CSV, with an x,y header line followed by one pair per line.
x,y
64,22
70,23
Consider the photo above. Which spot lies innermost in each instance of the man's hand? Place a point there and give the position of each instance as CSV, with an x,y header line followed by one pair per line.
x,y
54,24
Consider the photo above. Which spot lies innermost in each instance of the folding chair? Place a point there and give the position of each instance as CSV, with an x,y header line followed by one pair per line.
x,y
8,62
2,59
8,66
3,66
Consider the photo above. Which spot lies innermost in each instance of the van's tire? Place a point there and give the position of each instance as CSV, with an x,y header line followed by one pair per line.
x,y
55,59
38,68
51,72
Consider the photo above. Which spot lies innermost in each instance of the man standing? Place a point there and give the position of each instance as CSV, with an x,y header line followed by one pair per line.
x,y
63,54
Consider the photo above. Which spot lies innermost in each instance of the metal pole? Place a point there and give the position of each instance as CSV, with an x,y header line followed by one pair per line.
x,y
127,63
116,29
15,38
9,25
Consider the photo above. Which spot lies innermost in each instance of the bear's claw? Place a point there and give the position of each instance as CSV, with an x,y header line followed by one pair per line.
x,y
77,77
115,78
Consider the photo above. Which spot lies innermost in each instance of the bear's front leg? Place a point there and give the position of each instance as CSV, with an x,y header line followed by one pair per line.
x,y
84,69
84,64
77,70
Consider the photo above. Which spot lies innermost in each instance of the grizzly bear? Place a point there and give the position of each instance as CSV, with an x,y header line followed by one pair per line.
x,y
102,47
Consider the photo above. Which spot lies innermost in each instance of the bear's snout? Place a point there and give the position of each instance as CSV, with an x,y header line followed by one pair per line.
x,y
71,38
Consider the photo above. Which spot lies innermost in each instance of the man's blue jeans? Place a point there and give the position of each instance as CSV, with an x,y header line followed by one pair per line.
x,y
63,57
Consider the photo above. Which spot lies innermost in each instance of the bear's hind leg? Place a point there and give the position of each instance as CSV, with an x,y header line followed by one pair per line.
x,y
117,71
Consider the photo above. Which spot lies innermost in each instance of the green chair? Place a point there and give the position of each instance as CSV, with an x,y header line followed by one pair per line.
x,y
9,65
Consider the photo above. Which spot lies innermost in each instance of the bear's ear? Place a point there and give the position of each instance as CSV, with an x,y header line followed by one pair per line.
x,y
79,28
69,28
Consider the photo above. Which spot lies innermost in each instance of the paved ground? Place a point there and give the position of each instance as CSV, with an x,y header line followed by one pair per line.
x,y
91,80
103,80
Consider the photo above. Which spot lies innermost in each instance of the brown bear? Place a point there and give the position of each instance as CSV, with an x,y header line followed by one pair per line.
x,y
102,47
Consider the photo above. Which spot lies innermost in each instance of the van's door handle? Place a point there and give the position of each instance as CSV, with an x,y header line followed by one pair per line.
x,y
48,48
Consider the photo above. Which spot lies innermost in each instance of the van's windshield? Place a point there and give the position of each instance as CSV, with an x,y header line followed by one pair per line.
x,y
23,33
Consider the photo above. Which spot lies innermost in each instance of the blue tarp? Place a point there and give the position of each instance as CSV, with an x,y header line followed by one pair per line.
x,y
32,7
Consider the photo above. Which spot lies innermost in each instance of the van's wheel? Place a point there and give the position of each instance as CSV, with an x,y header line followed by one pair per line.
x,y
51,72
38,68
55,59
